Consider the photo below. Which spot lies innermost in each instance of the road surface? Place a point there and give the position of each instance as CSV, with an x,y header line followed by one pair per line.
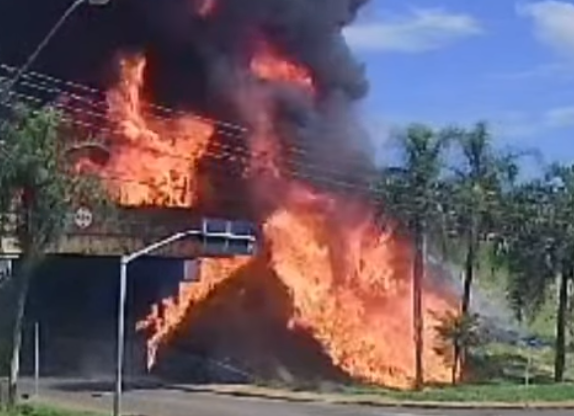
x,y
147,400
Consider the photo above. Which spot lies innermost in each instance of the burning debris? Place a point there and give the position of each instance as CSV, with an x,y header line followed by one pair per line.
x,y
299,166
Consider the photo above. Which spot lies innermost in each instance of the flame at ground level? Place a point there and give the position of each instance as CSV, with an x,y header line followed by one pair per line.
x,y
165,318
349,287
347,282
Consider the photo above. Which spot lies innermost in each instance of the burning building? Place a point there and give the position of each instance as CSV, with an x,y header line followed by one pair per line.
x,y
246,108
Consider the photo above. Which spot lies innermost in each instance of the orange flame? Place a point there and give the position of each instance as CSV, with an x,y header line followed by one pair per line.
x,y
351,287
165,318
349,282
268,64
153,159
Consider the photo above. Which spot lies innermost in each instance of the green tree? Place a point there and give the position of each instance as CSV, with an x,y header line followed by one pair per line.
x,y
456,329
522,246
411,192
560,243
480,178
38,187
540,249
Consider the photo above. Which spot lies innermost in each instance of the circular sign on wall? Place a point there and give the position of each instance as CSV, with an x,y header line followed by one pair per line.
x,y
83,217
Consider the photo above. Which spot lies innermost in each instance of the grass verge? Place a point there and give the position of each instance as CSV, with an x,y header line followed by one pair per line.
x,y
493,393
27,410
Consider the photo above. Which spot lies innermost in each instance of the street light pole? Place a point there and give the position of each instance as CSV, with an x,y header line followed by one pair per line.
x,y
121,315
7,89
121,324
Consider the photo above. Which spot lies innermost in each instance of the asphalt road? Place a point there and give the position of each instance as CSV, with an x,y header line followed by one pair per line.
x,y
163,401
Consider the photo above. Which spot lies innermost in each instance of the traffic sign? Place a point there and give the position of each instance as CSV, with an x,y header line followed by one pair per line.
x,y
83,217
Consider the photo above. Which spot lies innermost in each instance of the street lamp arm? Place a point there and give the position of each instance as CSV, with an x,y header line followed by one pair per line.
x,y
156,246
178,236
5,93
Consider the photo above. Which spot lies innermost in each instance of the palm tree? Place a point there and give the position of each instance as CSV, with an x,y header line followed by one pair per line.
x,y
540,248
523,246
477,187
411,194
561,242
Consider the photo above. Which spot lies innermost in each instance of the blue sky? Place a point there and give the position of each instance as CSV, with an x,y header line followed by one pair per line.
x,y
459,61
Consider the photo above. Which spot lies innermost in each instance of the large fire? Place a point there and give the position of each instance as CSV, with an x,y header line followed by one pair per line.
x,y
348,281
153,159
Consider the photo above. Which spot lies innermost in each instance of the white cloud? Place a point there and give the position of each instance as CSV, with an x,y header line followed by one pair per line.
x,y
516,124
555,70
560,117
553,24
423,30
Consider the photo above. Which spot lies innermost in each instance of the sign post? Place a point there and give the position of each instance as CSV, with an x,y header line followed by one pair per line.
x,y
36,359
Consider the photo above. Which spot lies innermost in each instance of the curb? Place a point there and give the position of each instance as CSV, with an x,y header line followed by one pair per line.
x,y
378,401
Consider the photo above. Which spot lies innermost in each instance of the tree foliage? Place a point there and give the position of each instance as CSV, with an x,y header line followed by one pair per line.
x,y
479,179
539,248
481,174
455,187
39,185
38,189
412,196
462,331
411,190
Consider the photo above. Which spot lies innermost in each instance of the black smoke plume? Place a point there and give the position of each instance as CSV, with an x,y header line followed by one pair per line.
x,y
194,62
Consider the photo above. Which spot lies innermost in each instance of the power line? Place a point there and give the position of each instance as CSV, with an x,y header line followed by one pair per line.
x,y
95,112
240,154
237,131
216,149
91,90
103,115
